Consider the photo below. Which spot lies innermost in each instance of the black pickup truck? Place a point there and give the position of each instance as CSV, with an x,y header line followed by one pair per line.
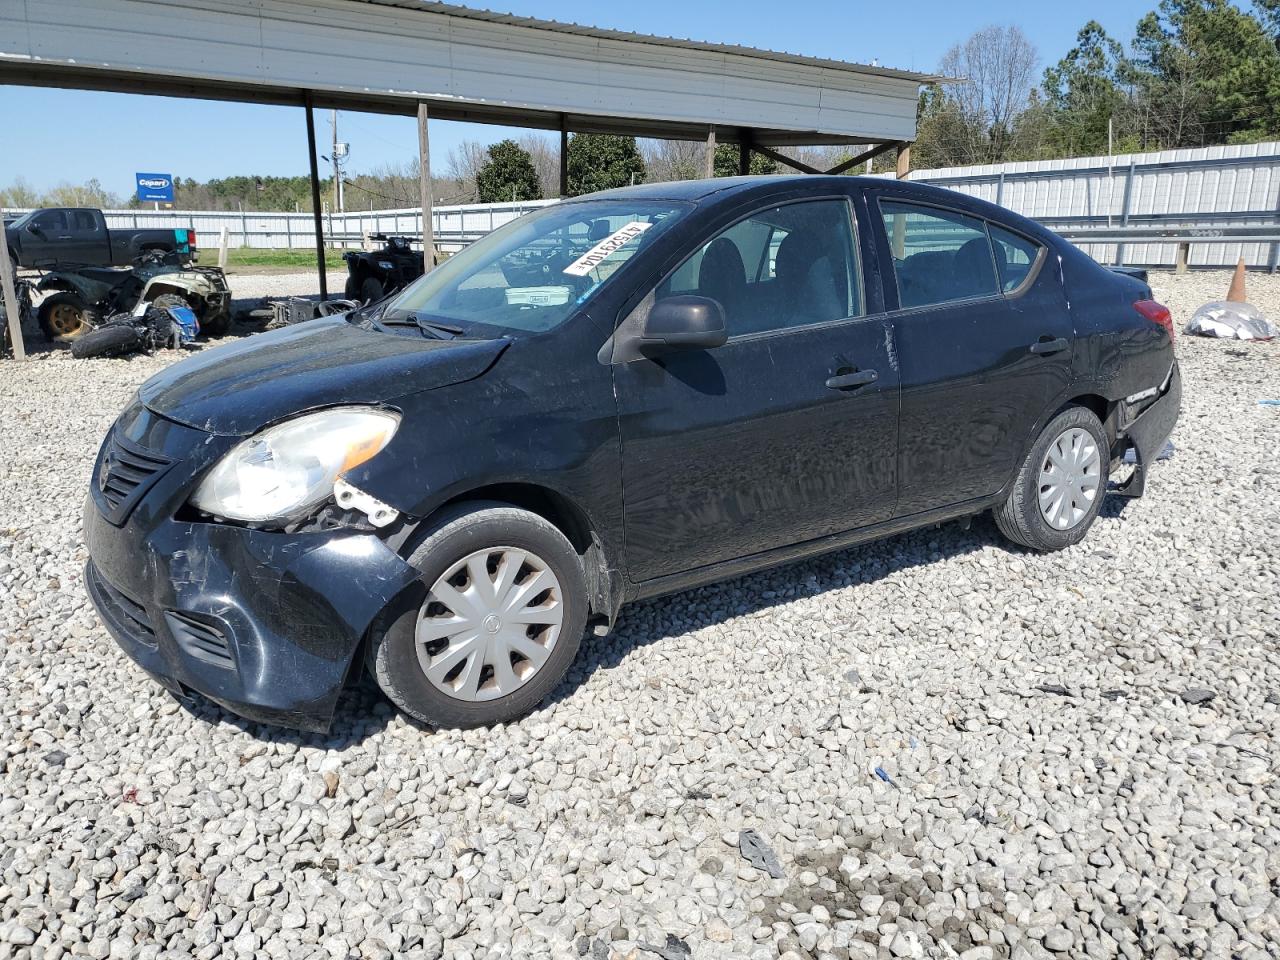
x,y
79,235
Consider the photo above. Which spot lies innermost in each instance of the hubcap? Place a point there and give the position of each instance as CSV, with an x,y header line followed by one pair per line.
x,y
1070,478
489,623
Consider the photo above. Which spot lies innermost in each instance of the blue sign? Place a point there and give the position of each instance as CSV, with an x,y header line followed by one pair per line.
x,y
155,186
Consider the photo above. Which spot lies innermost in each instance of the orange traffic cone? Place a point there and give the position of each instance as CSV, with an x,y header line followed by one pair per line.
x,y
1235,294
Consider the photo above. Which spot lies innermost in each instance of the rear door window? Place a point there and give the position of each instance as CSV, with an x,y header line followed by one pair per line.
x,y
1015,256
938,255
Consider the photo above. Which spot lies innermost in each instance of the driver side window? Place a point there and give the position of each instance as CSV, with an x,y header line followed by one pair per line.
x,y
788,266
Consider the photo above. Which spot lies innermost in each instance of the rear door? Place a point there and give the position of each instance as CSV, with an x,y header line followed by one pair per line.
x,y
87,238
785,433
984,341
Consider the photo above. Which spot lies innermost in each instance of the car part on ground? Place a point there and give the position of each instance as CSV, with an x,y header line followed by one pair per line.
x,y
285,313
1232,321
601,403
81,296
372,274
169,322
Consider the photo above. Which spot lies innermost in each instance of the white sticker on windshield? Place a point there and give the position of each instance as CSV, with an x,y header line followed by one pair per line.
x,y
601,251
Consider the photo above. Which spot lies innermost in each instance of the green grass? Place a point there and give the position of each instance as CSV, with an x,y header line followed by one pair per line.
x,y
253,257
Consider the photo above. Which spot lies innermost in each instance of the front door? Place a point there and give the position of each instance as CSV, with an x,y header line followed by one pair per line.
x,y
786,433
985,342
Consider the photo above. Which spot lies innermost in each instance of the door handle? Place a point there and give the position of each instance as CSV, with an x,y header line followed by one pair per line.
x,y
846,381
1049,346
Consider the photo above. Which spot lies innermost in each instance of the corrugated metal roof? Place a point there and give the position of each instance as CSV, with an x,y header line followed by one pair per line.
x,y
601,33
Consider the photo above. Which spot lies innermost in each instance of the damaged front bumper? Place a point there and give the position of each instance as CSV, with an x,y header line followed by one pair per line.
x,y
1145,426
265,623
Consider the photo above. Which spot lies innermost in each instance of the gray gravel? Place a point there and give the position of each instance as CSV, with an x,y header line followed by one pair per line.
x,y
1059,787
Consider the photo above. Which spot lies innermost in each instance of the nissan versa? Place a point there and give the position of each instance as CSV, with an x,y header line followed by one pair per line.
x,y
611,398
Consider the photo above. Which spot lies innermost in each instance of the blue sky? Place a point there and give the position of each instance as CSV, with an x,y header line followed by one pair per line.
x,y
98,134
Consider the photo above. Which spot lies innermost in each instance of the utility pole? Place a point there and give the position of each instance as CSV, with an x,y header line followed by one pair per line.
x,y
333,155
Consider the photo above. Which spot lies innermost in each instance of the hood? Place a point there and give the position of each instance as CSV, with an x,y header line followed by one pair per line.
x,y
238,388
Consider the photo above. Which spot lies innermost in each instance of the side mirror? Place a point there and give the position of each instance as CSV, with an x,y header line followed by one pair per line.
x,y
36,230
683,323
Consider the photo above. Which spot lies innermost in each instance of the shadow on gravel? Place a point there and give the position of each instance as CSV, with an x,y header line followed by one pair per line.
x,y
362,712
706,606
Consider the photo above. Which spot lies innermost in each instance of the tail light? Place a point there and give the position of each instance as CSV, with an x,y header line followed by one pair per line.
x,y
1157,313
191,239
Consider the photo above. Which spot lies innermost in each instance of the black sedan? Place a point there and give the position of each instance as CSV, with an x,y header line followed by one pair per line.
x,y
612,398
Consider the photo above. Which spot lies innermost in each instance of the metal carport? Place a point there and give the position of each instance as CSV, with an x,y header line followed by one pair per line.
x,y
454,63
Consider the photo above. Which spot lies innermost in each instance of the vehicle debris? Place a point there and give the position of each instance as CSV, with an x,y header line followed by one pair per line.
x,y
166,323
673,949
1197,696
881,774
759,854
1056,689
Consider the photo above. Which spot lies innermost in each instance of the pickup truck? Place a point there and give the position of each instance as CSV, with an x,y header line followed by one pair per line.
x,y
79,235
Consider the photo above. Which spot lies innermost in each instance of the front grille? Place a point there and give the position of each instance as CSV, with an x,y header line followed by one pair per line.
x,y
200,639
125,613
125,472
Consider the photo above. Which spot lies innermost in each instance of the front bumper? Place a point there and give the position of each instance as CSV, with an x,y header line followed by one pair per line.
x,y
264,623
1149,430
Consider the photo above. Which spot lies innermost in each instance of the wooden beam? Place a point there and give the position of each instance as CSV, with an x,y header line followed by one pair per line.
x,y
863,157
744,155
785,160
904,161
424,190
7,275
709,159
564,156
316,215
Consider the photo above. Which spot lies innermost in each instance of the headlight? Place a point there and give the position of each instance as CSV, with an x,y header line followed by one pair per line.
x,y
386,265
287,470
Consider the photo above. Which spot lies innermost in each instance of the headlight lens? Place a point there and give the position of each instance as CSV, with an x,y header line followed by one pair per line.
x,y
286,471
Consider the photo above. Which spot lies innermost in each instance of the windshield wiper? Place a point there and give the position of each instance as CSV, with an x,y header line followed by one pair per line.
x,y
432,328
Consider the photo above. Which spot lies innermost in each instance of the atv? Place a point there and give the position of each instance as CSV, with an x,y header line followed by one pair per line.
x,y
86,294
371,275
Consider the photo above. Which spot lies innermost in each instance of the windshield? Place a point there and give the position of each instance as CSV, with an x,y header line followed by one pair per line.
x,y
530,275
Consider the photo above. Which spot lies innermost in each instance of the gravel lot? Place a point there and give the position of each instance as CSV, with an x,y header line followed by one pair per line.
x,y
1054,782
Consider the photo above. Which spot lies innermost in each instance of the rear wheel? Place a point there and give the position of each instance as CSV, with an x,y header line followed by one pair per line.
x,y
497,626
371,289
64,317
1061,484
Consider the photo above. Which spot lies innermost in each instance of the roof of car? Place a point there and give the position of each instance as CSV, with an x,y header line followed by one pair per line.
x,y
694,190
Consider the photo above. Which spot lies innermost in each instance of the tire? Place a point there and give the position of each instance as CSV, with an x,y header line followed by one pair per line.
x,y
1063,520
371,290
351,289
107,342
470,530
64,317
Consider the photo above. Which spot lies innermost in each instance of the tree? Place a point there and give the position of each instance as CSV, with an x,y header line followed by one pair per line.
x,y
1084,91
978,116
508,175
726,159
19,194
601,162
1208,72
88,194
666,160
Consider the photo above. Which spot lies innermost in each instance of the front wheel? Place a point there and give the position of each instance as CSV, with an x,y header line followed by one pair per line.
x,y
65,317
1061,484
498,624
